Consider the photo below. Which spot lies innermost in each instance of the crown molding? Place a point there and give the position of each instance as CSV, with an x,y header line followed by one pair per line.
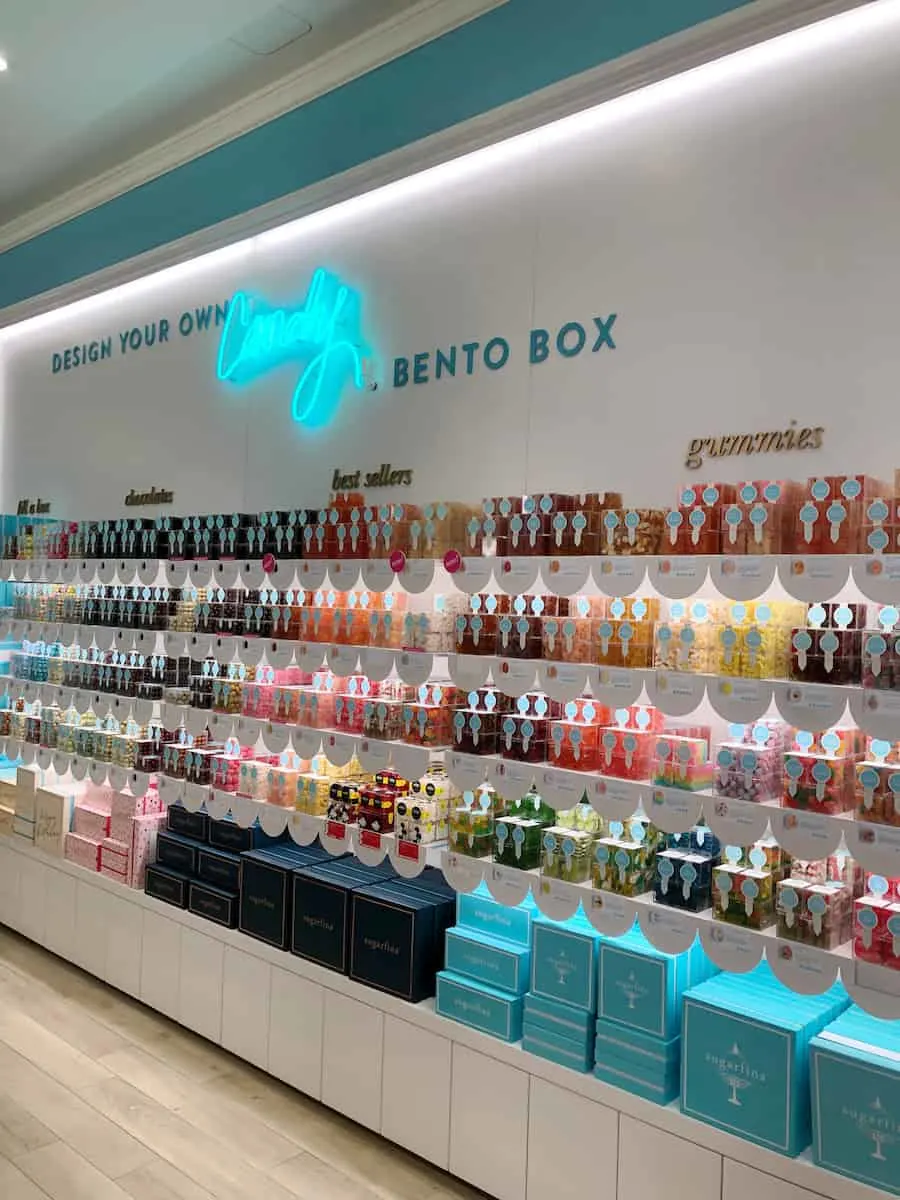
x,y
757,22
424,22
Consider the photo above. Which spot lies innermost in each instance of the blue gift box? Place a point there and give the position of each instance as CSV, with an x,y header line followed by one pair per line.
x,y
165,884
855,1084
322,894
266,909
397,938
557,1050
745,1056
478,910
567,1019
504,965
178,852
622,1075
219,868
479,1006
613,1040
564,961
640,987
189,824
581,1045
214,904
228,835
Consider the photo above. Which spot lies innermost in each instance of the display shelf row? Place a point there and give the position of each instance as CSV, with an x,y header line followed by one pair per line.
x,y
736,577
806,835
804,969
812,706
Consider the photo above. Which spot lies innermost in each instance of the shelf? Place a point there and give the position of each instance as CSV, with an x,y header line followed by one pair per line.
x,y
125,937
736,577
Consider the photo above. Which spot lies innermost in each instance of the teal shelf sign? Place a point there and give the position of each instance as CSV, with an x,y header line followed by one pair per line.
x,y
325,334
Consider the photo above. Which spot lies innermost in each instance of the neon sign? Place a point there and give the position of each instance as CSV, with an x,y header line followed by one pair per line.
x,y
325,332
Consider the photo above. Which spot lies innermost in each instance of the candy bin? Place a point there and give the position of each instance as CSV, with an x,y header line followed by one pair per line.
x,y
383,718
283,779
573,529
573,742
744,886
423,814
686,639
472,822
439,528
819,771
880,664
476,631
878,783
754,521
427,725
569,638
476,727
343,802
524,738
517,841
376,811
625,860
694,525
625,636
625,753
519,630
830,514
814,904
684,880
876,922
566,853
879,527
748,766
631,531
827,649
682,758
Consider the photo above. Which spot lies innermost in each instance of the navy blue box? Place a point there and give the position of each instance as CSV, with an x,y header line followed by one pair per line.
x,y
179,853
322,894
219,868
188,824
165,884
396,938
214,904
267,892
228,835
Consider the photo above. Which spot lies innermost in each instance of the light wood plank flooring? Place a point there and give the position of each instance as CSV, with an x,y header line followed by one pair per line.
x,y
104,1099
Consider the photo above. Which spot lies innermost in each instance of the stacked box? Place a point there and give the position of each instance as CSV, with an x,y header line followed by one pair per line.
x,y
266,892
855,1086
561,1004
322,908
745,1059
488,963
638,1030
24,805
397,934
53,818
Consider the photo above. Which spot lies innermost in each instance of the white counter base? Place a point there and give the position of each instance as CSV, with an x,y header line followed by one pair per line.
x,y
514,1125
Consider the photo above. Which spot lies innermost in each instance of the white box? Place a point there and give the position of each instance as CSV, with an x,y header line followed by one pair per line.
x,y
7,815
26,791
52,819
23,828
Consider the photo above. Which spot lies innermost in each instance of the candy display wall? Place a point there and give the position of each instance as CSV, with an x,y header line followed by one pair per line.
x,y
676,215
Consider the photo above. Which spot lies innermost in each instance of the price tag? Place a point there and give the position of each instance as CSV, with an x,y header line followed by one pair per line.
x,y
818,577
802,968
678,578
374,755
517,575
466,770
515,676
511,775
377,574
372,841
615,576
730,947
417,575
566,576
676,693
875,847
474,575
609,913
674,810
878,577
408,850
736,822
508,885
806,835
557,899
562,681
667,929
811,706
461,872
336,830
469,671
414,667
744,577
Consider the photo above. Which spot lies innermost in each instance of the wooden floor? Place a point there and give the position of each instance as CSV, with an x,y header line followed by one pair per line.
x,y
103,1099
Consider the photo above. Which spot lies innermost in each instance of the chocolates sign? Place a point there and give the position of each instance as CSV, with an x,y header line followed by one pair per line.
x,y
771,442
154,496
32,508
386,476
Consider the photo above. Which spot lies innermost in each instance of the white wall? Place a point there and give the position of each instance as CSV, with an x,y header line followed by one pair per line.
x,y
746,231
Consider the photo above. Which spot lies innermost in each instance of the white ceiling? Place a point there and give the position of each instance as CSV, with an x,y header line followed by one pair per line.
x,y
91,83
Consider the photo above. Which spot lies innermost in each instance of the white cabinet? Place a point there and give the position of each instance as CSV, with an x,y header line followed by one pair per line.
x,y
650,1160
160,963
416,1079
489,1124
124,945
296,1014
744,1183
92,919
32,897
565,1128
245,1006
60,910
351,1059
200,984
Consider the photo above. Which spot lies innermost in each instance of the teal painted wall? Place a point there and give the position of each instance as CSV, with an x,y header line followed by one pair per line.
x,y
500,57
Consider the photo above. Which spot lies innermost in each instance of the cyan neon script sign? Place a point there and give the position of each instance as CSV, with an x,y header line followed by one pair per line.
x,y
325,333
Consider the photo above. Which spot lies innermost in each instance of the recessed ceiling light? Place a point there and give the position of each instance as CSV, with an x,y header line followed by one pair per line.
x,y
3,63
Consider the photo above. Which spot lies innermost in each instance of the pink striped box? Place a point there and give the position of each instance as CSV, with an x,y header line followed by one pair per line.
x,y
115,856
143,845
84,851
90,822
118,876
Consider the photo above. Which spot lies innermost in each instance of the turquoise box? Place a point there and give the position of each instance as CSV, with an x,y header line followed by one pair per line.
x,y
564,962
504,965
479,1006
855,1082
641,988
478,910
